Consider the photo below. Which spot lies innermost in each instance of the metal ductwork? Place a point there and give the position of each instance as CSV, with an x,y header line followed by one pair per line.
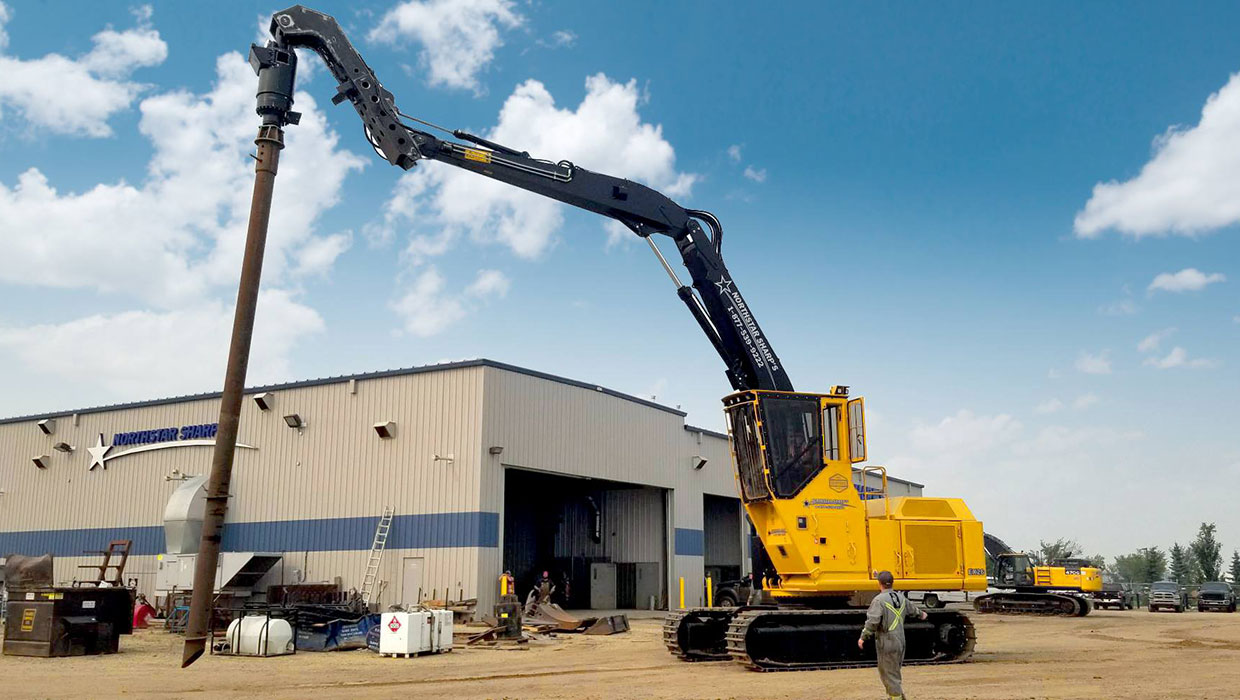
x,y
187,506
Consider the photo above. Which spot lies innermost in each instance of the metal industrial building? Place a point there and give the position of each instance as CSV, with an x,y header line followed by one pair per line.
x,y
487,467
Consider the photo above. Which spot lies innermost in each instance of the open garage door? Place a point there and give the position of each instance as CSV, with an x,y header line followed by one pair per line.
x,y
604,543
722,537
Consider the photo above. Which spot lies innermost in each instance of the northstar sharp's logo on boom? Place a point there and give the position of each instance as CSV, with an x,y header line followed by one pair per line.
x,y
159,439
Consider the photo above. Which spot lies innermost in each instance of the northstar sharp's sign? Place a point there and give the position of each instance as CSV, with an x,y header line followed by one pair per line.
x,y
158,439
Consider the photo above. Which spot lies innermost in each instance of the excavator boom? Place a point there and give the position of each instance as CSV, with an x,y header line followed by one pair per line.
x,y
794,451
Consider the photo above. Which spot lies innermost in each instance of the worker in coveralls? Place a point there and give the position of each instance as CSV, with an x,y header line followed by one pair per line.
x,y
885,623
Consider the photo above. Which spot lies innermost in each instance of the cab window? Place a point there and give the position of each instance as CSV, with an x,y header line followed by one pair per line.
x,y
793,437
831,432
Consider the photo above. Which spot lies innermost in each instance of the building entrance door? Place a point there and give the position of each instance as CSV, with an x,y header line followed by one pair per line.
x,y
411,581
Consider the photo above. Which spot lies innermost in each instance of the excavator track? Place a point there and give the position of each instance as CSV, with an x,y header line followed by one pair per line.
x,y
803,640
698,634
1034,603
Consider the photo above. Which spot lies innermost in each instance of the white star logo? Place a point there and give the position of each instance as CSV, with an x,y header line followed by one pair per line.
x,y
725,286
98,454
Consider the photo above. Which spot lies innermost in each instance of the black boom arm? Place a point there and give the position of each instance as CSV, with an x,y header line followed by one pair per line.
x,y
713,299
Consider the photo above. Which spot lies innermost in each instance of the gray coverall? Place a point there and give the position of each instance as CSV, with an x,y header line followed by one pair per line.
x,y
885,622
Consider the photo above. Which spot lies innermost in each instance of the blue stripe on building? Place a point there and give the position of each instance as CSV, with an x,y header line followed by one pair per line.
x,y
690,542
419,531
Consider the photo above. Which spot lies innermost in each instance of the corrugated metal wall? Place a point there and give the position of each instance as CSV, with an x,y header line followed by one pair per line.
x,y
317,493
334,469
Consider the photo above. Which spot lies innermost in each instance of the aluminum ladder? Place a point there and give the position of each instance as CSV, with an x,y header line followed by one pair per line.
x,y
376,554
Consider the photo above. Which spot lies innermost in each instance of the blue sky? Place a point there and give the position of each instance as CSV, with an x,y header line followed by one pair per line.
x,y
1014,230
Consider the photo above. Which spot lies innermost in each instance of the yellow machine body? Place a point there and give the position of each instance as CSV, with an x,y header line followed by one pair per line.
x,y
793,455
1086,579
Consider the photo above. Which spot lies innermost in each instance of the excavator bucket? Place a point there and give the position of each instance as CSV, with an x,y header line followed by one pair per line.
x,y
611,624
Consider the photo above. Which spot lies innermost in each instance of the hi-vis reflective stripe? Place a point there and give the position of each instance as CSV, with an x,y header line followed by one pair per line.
x,y
899,614
477,155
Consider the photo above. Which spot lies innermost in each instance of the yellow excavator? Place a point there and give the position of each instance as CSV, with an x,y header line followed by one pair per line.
x,y
1025,587
793,451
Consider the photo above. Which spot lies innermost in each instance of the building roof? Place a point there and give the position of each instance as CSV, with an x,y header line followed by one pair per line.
x,y
443,366
359,377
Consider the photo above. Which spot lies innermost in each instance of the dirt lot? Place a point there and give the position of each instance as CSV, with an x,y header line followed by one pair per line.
x,y
1106,655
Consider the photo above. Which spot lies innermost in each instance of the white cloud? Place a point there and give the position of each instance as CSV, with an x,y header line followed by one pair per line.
x,y
1048,407
1191,183
1123,307
174,242
1084,401
140,354
427,309
5,16
489,283
1152,341
999,467
1090,363
180,234
560,39
77,96
734,153
965,433
1059,439
1187,280
1178,357
458,37
755,174
438,203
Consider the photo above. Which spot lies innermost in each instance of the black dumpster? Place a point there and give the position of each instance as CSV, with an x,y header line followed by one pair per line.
x,y
67,621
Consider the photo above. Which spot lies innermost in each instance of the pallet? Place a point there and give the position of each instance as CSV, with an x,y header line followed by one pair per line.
x,y
412,655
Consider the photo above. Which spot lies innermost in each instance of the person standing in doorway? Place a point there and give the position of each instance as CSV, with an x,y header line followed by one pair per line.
x,y
885,623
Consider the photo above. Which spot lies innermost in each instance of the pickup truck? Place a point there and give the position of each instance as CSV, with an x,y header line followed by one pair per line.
x,y
1168,595
1115,595
1216,595
729,594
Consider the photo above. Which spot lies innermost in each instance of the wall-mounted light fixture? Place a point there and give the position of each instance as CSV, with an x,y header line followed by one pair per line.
x,y
47,426
698,461
496,449
385,429
176,475
265,400
63,447
450,458
294,420
41,461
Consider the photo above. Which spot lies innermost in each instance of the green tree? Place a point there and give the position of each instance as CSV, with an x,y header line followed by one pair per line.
x,y
1059,549
1145,565
1098,561
1155,563
1207,554
1180,569
1130,567
1235,567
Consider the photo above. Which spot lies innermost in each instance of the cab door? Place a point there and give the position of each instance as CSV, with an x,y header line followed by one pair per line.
x,y
886,551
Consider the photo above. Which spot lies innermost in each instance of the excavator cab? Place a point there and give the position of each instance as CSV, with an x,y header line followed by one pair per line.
x,y
1013,570
782,440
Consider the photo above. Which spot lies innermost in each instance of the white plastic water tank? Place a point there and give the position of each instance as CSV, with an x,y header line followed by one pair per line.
x,y
420,632
259,635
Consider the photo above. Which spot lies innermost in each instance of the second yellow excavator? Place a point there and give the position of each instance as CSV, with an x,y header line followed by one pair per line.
x,y
1061,587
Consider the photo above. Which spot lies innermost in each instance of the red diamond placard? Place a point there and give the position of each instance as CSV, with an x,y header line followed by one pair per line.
x,y
394,625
